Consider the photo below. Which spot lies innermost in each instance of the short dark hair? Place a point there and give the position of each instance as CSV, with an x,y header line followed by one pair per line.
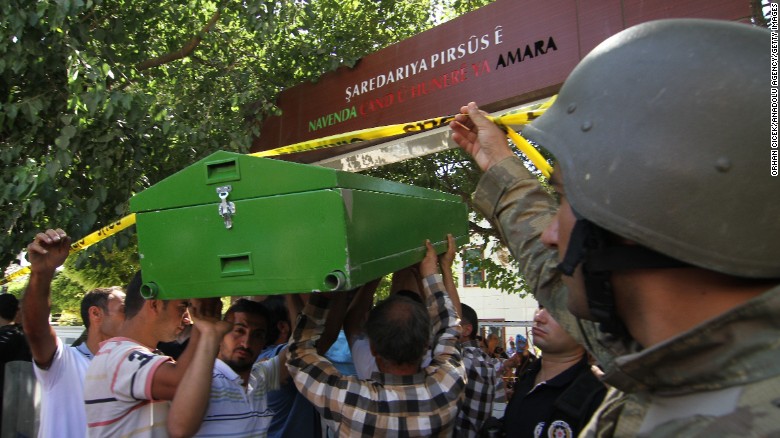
x,y
399,330
96,297
277,311
469,315
134,301
410,294
9,305
243,305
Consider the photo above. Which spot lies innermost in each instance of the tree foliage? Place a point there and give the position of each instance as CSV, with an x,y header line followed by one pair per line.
x,y
454,172
67,299
110,266
103,99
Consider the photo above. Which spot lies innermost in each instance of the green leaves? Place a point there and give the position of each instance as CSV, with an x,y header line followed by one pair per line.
x,y
82,129
63,141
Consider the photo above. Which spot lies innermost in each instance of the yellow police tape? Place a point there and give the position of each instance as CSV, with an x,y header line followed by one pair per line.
x,y
524,116
89,240
530,152
521,116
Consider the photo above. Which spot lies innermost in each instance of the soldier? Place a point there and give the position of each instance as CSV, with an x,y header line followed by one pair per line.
x,y
666,231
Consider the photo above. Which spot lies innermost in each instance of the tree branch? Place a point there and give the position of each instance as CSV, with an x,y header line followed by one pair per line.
x,y
188,48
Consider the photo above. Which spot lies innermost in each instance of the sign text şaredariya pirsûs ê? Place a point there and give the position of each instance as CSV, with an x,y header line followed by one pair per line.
x,y
451,54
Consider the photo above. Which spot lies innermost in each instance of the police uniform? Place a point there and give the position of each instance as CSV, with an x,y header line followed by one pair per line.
x,y
558,407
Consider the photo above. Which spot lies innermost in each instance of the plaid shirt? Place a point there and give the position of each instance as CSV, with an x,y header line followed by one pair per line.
x,y
477,405
423,404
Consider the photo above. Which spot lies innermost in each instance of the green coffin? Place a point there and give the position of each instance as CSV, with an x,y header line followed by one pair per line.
x,y
233,224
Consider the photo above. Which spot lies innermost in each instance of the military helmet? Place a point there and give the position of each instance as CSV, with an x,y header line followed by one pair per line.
x,y
662,133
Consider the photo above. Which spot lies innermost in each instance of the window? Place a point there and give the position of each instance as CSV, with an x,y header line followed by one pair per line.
x,y
472,274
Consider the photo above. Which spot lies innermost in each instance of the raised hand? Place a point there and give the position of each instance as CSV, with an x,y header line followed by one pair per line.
x,y
206,315
479,137
48,251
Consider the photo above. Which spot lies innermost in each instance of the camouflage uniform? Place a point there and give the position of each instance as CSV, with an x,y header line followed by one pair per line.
x,y
721,378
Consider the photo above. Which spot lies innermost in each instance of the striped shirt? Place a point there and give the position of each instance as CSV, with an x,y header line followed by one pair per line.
x,y
423,404
118,391
237,412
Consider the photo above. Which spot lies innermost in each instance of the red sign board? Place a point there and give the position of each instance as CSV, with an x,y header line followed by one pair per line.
x,y
506,53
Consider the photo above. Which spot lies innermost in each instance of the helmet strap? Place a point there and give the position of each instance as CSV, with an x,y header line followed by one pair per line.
x,y
595,248
575,252
588,238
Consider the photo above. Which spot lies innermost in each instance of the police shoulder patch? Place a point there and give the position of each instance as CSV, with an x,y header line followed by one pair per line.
x,y
560,429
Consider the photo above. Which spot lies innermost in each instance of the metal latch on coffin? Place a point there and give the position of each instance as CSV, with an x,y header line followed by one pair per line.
x,y
226,209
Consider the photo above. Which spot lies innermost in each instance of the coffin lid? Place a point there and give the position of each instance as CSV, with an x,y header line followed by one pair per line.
x,y
254,177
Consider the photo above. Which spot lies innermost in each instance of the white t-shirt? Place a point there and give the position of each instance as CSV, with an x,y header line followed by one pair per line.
x,y
234,412
62,389
118,391
365,363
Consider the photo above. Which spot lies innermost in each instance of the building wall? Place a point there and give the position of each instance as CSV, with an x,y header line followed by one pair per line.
x,y
494,305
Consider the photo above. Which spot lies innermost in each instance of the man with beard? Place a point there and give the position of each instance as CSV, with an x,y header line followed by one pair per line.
x,y
238,402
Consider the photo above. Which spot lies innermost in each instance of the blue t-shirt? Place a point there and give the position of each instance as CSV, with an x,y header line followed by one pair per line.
x,y
341,357
294,416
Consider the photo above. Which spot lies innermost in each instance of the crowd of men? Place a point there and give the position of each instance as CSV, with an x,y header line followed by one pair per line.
x,y
656,258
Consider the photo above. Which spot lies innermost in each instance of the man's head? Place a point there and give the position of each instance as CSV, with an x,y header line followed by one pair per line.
x,y
661,152
398,330
168,318
241,346
279,326
104,308
469,323
414,296
491,343
551,338
9,306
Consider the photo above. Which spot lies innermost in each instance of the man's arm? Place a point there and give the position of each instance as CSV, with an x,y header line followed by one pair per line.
x,y
314,375
282,371
446,261
509,196
444,319
446,375
191,400
167,377
46,253
358,309
338,308
515,202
